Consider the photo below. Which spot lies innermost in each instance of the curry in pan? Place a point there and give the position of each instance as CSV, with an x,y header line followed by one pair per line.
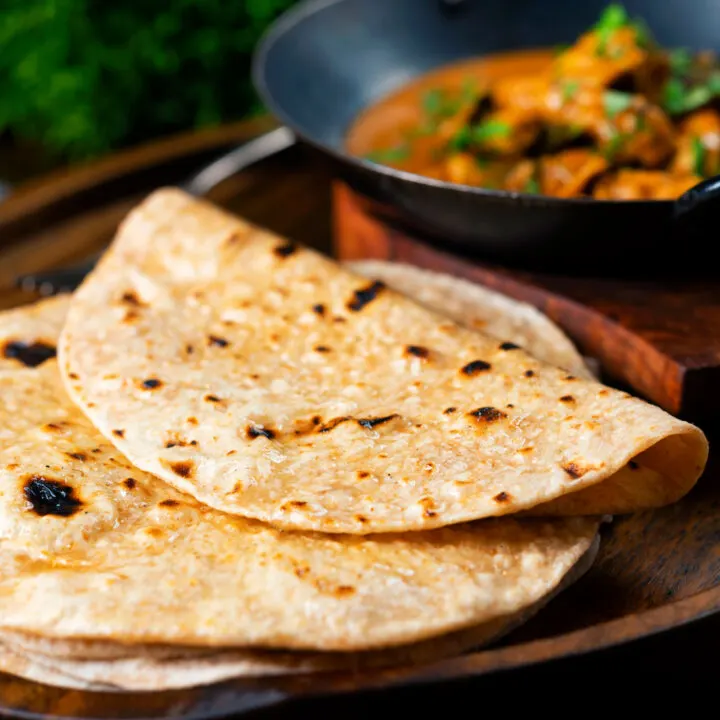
x,y
614,116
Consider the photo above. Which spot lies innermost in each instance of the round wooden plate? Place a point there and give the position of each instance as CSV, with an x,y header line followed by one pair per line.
x,y
655,571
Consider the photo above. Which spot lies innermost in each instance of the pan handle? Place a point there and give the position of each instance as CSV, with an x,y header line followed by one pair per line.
x,y
698,200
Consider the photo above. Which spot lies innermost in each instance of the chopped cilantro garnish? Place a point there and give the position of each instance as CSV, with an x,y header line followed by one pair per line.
x,y
613,17
674,96
616,102
698,153
532,186
697,96
477,134
643,36
681,61
569,89
461,139
678,99
438,105
481,162
489,130
713,82
393,154
614,146
469,90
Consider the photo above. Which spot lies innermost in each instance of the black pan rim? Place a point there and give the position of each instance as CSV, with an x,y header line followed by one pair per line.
x,y
306,9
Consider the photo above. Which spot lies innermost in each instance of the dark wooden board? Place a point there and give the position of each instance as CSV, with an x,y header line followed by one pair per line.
x,y
655,571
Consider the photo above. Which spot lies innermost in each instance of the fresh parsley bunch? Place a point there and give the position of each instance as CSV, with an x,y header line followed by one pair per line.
x,y
83,77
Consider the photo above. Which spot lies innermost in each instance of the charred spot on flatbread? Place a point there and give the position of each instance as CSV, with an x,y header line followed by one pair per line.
x,y
51,497
183,468
509,346
574,470
502,497
319,309
365,295
487,414
285,250
217,341
130,297
475,367
372,422
417,351
151,384
77,455
29,354
256,431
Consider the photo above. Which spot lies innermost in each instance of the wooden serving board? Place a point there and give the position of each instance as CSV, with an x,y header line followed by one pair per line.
x,y
661,338
656,571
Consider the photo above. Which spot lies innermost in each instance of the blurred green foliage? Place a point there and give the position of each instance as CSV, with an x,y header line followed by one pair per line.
x,y
83,77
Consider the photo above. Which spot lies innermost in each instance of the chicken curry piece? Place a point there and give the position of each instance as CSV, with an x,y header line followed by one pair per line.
x,y
612,117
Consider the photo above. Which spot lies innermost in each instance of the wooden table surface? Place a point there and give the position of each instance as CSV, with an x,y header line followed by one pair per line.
x,y
296,203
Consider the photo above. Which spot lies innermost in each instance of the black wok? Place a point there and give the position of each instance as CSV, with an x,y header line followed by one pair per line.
x,y
326,60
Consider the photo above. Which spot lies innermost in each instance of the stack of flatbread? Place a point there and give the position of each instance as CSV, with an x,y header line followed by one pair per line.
x,y
248,460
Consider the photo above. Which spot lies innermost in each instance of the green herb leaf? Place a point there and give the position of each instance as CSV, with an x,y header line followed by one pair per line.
x,y
460,140
697,96
616,102
614,146
481,162
387,155
428,127
569,89
677,99
532,186
613,17
469,91
674,96
713,82
438,104
490,130
681,61
643,35
432,101
698,153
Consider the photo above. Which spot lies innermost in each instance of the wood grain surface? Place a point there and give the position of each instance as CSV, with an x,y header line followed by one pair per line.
x,y
655,571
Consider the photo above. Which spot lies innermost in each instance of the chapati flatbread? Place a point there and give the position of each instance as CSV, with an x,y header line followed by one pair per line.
x,y
630,488
148,667
38,670
481,309
315,399
93,548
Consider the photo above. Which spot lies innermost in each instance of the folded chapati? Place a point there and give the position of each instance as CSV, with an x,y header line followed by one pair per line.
x,y
267,381
478,308
91,548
